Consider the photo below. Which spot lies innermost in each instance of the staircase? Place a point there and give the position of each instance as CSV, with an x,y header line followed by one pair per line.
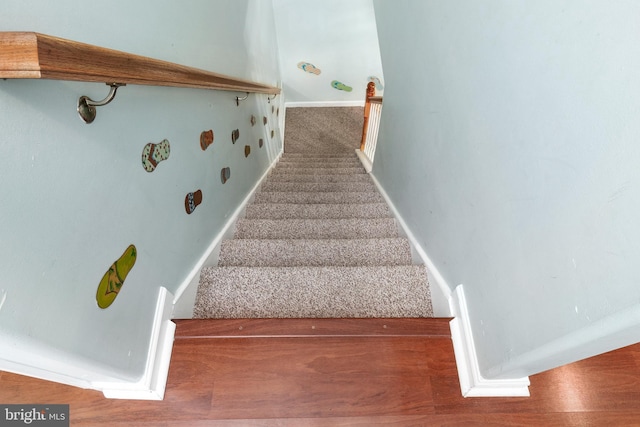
x,y
318,241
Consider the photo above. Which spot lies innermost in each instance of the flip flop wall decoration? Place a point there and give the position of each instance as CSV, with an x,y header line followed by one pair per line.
x,y
377,82
112,281
206,139
341,86
192,200
225,174
309,68
152,154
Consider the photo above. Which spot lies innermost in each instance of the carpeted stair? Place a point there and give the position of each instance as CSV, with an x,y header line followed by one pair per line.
x,y
317,241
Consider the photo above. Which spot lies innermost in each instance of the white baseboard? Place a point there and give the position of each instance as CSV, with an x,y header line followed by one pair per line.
x,y
324,104
216,240
472,384
368,166
153,382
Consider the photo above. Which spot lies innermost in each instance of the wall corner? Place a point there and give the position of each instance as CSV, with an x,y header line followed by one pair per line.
x,y
472,383
153,382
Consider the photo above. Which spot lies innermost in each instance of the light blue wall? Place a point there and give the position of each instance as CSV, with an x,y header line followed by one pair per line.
x,y
73,196
338,37
509,144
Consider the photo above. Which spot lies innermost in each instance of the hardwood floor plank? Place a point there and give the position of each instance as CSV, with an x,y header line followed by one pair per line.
x,y
316,377
440,361
229,328
329,397
343,356
346,381
569,419
609,382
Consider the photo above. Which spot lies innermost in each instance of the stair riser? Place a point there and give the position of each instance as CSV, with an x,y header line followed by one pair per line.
x,y
300,292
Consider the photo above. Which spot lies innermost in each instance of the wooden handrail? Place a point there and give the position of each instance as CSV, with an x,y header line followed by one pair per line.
x,y
30,55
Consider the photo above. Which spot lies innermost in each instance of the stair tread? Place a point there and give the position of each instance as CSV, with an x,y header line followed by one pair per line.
x,y
313,158
319,153
319,171
315,252
316,165
312,153
310,159
318,210
318,187
320,161
289,292
341,228
360,177
317,197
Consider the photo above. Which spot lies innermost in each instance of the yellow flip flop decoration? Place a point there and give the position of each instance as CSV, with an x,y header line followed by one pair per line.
x,y
113,279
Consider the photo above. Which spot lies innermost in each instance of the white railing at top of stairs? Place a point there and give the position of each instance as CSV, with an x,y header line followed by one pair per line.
x,y
372,113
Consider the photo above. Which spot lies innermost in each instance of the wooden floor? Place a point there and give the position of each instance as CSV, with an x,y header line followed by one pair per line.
x,y
343,373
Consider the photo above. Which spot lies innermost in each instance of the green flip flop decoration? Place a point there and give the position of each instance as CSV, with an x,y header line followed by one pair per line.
x,y
341,86
114,278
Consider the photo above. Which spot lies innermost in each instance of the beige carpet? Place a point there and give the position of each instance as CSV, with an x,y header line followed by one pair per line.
x,y
323,130
318,239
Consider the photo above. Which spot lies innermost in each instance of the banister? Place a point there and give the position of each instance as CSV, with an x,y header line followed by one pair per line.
x,y
370,93
31,55
372,112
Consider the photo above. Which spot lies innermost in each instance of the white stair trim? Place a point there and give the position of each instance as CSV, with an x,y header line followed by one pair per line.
x,y
154,380
366,163
472,383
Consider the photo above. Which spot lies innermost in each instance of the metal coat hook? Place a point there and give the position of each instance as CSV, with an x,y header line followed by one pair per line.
x,y
269,99
87,106
238,99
